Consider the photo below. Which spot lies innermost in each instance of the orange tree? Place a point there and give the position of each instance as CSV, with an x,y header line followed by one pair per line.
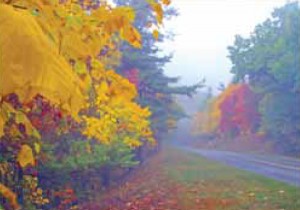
x,y
233,112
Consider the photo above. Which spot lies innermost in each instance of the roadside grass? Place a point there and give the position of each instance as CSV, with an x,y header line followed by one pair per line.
x,y
178,180
215,186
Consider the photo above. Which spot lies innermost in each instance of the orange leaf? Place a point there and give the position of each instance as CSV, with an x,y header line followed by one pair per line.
x,y
166,2
157,8
10,196
155,34
25,156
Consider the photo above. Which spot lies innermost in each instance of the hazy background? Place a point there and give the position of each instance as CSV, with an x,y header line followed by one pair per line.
x,y
203,31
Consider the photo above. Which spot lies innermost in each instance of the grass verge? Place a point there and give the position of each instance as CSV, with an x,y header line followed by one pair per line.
x,y
177,180
216,186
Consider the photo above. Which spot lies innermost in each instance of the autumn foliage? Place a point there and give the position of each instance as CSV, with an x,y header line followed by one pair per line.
x,y
233,112
239,111
57,80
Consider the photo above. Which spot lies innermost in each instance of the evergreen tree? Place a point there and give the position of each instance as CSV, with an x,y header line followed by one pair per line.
x,y
156,89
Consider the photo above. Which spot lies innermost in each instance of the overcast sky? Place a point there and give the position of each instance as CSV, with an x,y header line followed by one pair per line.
x,y
204,29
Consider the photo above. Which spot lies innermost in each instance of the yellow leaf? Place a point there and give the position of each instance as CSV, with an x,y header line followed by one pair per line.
x,y
157,8
37,148
5,110
155,34
80,67
39,191
103,87
96,64
14,131
31,64
132,36
21,118
25,156
126,12
132,142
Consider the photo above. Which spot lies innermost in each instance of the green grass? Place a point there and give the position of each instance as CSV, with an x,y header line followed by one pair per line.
x,y
217,184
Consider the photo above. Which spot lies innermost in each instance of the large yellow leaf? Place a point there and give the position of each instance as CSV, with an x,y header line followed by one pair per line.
x,y
30,63
25,156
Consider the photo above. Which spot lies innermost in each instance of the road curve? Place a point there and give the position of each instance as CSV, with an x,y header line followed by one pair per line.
x,y
280,168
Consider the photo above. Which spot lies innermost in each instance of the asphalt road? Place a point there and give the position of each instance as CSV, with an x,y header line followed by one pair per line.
x,y
277,167
280,168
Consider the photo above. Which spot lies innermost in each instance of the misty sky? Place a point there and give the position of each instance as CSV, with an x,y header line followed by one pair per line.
x,y
204,29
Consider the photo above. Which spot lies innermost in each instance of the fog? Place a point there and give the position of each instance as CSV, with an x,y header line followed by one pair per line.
x,y
203,31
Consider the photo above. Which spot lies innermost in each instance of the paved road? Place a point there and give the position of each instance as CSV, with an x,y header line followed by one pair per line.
x,y
277,167
280,168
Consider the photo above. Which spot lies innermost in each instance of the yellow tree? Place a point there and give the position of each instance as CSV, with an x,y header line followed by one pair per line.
x,y
61,73
59,50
